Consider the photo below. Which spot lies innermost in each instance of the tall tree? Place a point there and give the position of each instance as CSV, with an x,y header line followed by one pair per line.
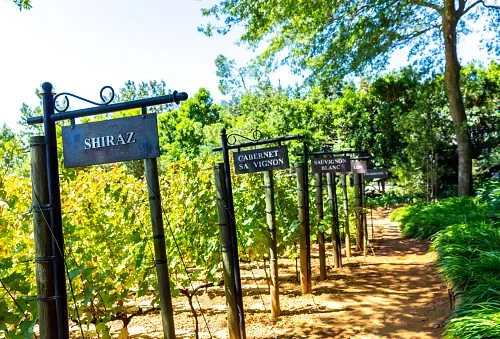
x,y
332,39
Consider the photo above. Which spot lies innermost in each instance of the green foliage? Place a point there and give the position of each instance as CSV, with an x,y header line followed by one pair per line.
x,y
469,258
185,132
468,253
330,40
11,151
466,240
424,220
344,37
392,198
489,190
475,320
18,305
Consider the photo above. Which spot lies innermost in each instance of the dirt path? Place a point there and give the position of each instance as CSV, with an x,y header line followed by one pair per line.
x,y
393,292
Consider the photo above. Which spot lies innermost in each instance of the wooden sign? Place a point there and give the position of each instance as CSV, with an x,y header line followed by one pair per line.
x,y
258,160
331,165
107,141
359,166
377,173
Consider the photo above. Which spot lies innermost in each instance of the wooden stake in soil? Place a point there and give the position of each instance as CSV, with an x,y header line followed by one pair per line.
x,y
44,259
227,255
358,210
273,247
167,313
332,196
364,219
321,235
346,214
305,272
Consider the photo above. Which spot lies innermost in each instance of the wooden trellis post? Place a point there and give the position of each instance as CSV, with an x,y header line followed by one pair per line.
x,y
332,195
305,272
227,253
321,235
167,312
273,246
345,203
44,258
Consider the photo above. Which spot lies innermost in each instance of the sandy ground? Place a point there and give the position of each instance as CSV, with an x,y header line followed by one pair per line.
x,y
393,292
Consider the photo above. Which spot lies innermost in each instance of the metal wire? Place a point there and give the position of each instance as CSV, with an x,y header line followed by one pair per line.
x,y
181,257
39,206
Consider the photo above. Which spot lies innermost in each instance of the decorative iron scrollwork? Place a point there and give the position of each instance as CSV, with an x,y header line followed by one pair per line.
x,y
106,100
232,138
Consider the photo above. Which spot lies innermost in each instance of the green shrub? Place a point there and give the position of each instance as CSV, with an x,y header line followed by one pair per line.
x,y
469,254
469,257
393,198
475,320
424,220
489,190
466,236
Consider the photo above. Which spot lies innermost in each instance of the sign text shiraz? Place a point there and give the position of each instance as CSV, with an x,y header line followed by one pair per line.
x,y
107,141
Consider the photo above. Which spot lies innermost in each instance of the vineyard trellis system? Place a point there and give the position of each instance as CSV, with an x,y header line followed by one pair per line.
x,y
50,178
257,160
49,241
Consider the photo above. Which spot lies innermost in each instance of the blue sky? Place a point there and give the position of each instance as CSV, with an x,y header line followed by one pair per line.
x,y
82,45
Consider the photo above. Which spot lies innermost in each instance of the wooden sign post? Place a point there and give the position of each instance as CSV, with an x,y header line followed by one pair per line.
x,y
98,143
332,165
256,160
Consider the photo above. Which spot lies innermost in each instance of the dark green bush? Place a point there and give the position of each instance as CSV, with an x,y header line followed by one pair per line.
x,y
475,320
393,198
466,236
469,253
424,220
489,190
469,258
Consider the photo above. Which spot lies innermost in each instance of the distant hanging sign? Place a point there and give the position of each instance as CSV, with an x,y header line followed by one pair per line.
x,y
377,173
258,160
359,166
331,165
108,141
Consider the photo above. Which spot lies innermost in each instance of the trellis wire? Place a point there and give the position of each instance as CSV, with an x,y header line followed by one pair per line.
x,y
65,263
249,261
182,259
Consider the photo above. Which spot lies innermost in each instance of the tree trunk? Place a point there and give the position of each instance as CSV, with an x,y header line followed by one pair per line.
x,y
457,109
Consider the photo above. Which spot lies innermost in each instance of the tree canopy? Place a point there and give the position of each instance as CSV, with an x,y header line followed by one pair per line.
x,y
332,39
